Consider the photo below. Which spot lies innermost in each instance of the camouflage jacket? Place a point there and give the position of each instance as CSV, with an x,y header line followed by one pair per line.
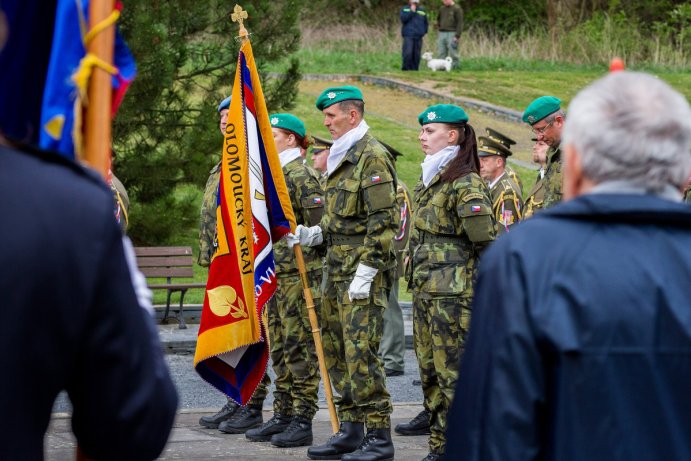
x,y
453,223
535,200
405,214
552,178
361,204
507,203
207,218
514,177
687,194
307,200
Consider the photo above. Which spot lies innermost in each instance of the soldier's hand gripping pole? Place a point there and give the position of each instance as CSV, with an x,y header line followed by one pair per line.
x,y
316,333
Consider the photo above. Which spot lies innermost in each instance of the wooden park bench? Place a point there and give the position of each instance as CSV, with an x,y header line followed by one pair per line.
x,y
170,263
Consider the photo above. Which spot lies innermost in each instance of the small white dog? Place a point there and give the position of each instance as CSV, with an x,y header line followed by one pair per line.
x,y
437,64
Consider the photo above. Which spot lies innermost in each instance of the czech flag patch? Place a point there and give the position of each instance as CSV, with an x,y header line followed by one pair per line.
x,y
475,208
317,200
376,179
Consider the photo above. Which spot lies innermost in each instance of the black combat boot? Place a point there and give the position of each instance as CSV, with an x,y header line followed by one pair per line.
x,y
417,426
377,446
245,418
212,422
278,423
347,439
298,434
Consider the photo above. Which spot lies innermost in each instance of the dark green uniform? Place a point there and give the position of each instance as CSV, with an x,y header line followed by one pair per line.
x,y
552,179
292,346
359,227
514,176
507,203
207,246
535,199
453,223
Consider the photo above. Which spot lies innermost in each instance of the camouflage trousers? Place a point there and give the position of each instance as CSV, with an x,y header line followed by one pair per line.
x,y
293,354
440,327
351,333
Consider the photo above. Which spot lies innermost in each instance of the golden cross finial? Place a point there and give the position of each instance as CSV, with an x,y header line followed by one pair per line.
x,y
239,15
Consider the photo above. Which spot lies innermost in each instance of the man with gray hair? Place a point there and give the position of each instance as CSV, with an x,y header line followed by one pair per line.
x,y
582,349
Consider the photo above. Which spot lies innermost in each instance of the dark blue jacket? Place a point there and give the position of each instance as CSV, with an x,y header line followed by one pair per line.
x,y
71,319
580,342
413,23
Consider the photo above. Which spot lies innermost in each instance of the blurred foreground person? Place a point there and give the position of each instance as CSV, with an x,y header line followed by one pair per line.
x,y
73,319
582,349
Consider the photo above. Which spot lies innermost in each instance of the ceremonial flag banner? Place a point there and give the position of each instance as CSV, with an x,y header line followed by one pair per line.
x,y
68,74
253,211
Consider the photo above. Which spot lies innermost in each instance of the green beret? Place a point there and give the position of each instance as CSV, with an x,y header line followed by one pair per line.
x,y
336,94
288,122
541,108
487,147
442,113
320,144
494,135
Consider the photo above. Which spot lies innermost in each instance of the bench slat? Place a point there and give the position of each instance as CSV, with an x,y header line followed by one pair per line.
x,y
164,261
178,286
167,271
163,251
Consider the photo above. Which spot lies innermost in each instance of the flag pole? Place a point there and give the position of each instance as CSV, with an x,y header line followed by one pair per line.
x,y
239,15
98,112
316,333
97,130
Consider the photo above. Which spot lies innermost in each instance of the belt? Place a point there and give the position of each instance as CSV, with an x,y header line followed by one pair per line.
x,y
341,239
428,237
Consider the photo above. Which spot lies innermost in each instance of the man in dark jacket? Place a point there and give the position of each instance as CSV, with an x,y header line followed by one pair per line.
x,y
76,312
581,349
413,28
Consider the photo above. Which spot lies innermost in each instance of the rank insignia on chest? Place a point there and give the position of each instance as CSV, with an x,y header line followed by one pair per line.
x,y
375,179
475,208
317,200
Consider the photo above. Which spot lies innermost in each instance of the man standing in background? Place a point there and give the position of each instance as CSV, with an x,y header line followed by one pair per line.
x,y
413,27
449,26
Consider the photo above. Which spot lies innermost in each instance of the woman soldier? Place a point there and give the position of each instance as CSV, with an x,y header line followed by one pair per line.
x,y
453,223
292,348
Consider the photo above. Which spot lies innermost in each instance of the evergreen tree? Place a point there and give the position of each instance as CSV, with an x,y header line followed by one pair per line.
x,y
166,133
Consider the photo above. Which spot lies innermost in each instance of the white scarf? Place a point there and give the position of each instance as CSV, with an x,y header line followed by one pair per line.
x,y
289,155
435,162
341,145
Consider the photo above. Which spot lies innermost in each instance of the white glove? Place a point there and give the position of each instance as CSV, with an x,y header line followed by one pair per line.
x,y
362,282
309,236
292,240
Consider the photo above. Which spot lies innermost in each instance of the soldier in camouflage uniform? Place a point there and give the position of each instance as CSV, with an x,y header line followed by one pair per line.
x,y
231,418
687,192
536,196
293,353
507,202
546,118
453,223
358,228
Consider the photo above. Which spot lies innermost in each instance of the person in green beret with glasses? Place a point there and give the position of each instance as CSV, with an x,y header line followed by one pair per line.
x,y
358,230
452,225
546,119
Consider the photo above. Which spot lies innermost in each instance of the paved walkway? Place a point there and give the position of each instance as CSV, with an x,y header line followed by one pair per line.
x,y
190,441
